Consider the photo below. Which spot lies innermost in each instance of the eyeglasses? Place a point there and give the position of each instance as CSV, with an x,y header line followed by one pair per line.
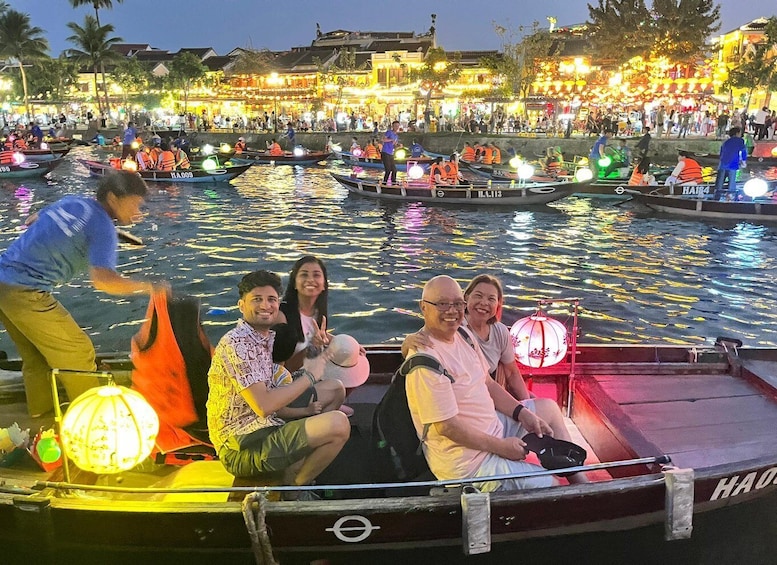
x,y
445,306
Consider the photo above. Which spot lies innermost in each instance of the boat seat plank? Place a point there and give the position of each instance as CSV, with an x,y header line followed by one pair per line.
x,y
733,435
644,388
706,457
712,411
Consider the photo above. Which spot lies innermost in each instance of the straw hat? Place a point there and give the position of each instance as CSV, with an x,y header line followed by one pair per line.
x,y
345,363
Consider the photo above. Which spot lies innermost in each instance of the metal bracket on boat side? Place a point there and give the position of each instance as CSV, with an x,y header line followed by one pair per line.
x,y
475,521
679,503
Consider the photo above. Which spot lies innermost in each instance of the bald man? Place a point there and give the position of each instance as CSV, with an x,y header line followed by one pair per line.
x,y
475,426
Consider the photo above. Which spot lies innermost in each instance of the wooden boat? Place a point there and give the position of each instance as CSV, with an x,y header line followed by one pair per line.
x,y
711,410
28,169
352,160
223,174
37,155
698,201
764,155
288,158
475,193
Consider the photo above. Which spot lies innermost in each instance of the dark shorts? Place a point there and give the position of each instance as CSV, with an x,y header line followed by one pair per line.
x,y
265,451
304,399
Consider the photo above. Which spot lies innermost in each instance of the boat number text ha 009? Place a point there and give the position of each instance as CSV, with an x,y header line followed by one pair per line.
x,y
733,486
181,175
5,169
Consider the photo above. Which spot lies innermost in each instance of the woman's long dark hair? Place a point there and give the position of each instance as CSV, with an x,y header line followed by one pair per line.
x,y
290,305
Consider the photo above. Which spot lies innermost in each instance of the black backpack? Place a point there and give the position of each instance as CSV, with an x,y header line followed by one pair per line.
x,y
397,453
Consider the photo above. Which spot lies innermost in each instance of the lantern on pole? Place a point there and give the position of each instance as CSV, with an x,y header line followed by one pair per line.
x,y
538,340
109,429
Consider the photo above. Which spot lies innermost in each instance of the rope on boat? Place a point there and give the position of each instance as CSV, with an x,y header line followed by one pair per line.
x,y
254,512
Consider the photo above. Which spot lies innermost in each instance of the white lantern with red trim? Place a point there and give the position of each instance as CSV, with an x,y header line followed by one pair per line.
x,y
538,340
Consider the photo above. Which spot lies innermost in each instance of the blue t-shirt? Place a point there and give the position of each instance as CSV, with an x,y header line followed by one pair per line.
x,y
130,134
602,141
68,237
416,150
388,142
732,152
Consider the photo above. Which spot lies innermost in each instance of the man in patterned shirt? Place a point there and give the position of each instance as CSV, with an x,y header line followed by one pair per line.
x,y
243,399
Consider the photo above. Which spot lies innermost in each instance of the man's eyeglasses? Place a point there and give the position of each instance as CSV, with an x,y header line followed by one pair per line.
x,y
445,306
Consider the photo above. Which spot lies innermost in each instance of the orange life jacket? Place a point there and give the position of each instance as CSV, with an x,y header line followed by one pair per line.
x,y
434,170
496,156
276,150
19,143
691,172
165,161
468,153
240,146
637,178
451,170
161,375
488,156
181,159
370,152
144,160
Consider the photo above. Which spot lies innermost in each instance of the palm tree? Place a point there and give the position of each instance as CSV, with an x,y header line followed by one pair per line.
x,y
93,47
21,42
97,4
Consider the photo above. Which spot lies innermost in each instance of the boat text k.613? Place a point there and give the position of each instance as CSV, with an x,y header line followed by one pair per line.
x,y
732,486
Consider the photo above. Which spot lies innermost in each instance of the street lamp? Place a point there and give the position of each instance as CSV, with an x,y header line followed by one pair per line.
x,y
275,81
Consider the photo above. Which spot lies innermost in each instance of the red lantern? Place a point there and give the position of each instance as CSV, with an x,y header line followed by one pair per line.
x,y
539,341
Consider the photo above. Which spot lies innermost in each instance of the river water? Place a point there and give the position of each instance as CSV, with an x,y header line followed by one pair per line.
x,y
641,277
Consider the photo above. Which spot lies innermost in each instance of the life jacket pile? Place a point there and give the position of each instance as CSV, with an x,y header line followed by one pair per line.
x,y
691,172
6,157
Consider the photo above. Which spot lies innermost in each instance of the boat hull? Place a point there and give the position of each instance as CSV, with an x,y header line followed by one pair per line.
x,y
223,174
263,158
483,194
28,169
698,203
39,155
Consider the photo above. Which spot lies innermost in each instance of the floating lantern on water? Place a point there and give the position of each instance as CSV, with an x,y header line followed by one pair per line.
x,y
400,153
515,162
18,158
755,188
583,174
299,151
207,149
209,164
44,145
538,340
109,429
525,171
415,171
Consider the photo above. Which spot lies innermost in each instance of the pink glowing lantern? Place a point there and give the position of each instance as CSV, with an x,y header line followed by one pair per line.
x,y
539,341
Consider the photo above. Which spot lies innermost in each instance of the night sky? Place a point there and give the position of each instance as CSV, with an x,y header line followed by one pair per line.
x,y
278,25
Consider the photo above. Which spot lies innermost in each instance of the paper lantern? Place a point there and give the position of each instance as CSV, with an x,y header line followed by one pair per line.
x,y
415,171
539,341
755,188
18,158
299,151
225,148
129,165
582,175
525,171
209,164
515,162
109,429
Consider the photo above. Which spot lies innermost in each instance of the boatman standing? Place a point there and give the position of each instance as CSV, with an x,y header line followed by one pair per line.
x,y
390,143
74,235
733,156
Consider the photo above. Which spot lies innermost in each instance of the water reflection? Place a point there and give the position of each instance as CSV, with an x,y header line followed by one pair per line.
x,y
641,277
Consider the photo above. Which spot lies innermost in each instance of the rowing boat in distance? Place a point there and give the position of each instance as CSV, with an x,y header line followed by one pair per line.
x,y
29,169
223,173
710,410
699,201
483,193
301,158
37,155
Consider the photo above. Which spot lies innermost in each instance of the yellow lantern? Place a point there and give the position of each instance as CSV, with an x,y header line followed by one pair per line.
x,y
109,429
539,341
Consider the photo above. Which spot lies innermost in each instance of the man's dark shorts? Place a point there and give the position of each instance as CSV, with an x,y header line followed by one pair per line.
x,y
269,450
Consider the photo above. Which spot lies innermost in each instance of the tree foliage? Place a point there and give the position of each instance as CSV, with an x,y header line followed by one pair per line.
x,y
50,79
676,29
758,64
253,62
185,70
132,76
93,48
523,51
437,72
22,43
96,4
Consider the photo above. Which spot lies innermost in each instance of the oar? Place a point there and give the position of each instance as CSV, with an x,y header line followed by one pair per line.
x,y
127,237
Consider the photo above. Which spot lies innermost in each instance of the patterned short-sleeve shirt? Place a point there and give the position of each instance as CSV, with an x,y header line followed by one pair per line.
x,y
242,358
